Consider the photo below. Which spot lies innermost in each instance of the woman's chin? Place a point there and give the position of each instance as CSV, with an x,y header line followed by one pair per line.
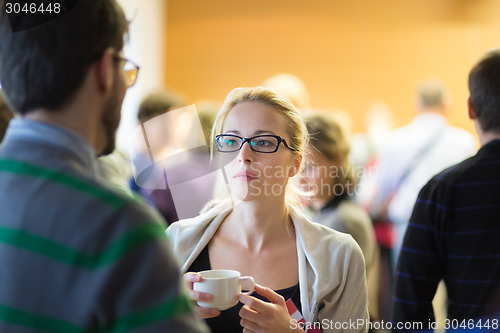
x,y
242,193
255,190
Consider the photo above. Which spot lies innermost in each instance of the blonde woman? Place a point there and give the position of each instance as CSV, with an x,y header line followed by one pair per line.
x,y
260,232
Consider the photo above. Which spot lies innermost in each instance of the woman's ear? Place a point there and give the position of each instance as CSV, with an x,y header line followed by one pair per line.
x,y
296,166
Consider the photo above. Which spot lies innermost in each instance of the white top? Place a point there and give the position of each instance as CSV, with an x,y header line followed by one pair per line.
x,y
452,145
331,266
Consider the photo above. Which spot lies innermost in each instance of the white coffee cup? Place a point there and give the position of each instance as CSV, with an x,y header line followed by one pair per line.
x,y
225,287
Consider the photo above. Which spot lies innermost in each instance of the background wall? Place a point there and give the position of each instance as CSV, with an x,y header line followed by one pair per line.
x,y
347,52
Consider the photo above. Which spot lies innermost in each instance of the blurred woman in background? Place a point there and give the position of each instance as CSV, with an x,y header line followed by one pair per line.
x,y
330,181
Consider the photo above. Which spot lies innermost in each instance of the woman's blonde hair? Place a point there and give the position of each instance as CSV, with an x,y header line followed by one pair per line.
x,y
295,126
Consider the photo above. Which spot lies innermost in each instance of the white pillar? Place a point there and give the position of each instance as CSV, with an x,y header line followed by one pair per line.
x,y
146,47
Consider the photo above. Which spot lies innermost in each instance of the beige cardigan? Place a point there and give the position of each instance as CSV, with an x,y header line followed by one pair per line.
x,y
331,266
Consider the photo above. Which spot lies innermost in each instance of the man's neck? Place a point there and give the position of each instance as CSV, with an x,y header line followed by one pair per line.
x,y
485,137
440,110
73,118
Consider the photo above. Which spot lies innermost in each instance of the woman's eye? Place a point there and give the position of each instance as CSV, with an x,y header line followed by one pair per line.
x,y
229,142
263,143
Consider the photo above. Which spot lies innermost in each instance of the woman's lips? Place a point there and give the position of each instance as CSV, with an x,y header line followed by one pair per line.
x,y
245,175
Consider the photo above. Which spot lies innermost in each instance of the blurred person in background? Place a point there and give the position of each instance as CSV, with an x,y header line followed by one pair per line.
x,y
330,181
158,103
115,168
453,231
413,154
193,176
291,87
5,116
76,255
260,138
153,105
378,123
177,178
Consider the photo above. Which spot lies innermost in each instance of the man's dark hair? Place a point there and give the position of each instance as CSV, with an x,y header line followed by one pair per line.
x,y
484,88
43,66
5,116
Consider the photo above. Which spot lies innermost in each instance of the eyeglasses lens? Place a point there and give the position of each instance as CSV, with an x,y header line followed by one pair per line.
x,y
263,144
131,72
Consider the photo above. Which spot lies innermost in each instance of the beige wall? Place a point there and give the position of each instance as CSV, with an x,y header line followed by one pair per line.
x,y
348,52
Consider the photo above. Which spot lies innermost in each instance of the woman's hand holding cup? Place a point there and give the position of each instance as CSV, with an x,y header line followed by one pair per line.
x,y
198,296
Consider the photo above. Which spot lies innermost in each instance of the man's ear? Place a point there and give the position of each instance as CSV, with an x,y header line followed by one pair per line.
x,y
104,71
472,114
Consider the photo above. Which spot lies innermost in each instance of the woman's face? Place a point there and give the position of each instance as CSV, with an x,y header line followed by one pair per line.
x,y
320,176
252,175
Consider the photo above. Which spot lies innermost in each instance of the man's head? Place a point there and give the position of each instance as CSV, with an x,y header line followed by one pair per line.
x,y
43,66
72,62
432,96
158,103
291,87
484,88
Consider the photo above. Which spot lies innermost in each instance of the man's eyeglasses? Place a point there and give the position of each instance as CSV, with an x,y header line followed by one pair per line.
x,y
228,143
130,69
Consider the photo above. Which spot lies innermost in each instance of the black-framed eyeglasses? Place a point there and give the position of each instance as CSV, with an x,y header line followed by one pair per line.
x,y
130,69
228,143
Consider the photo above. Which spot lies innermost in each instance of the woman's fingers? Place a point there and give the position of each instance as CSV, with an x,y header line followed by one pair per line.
x,y
191,278
247,313
246,330
249,325
264,317
206,312
270,294
253,303
200,296
196,296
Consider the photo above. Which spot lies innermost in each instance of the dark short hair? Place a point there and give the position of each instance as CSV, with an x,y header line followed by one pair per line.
x,y
484,88
43,66
158,103
5,116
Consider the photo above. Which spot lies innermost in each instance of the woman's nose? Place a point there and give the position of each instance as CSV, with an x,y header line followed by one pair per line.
x,y
246,153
